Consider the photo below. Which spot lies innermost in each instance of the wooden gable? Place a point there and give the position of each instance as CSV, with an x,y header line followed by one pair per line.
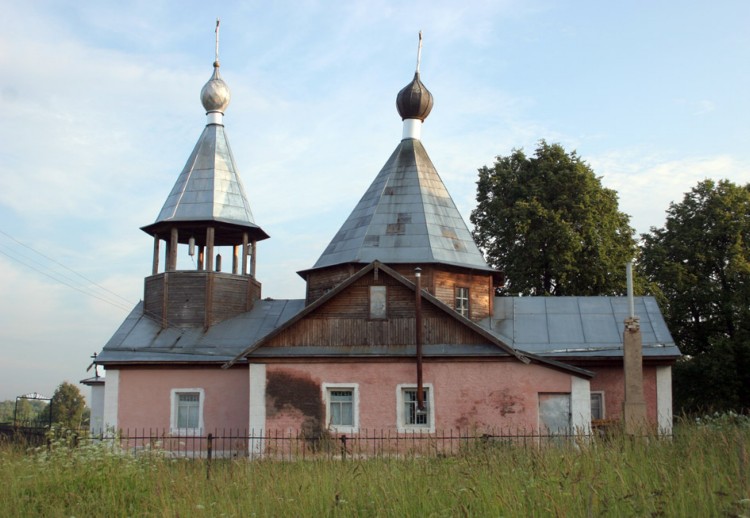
x,y
345,320
438,280
342,319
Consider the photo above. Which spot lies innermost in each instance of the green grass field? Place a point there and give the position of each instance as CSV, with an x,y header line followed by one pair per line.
x,y
703,471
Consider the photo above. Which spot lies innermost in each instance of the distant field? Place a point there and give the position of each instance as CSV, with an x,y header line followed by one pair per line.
x,y
703,471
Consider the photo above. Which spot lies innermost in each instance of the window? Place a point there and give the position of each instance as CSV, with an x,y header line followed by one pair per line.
x,y
187,410
597,405
412,415
462,301
409,418
342,406
377,302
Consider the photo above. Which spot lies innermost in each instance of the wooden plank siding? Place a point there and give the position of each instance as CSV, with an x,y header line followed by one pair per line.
x,y
481,292
198,297
321,282
344,321
438,280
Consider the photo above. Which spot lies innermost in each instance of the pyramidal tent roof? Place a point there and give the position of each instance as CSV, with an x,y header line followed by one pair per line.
x,y
209,188
406,216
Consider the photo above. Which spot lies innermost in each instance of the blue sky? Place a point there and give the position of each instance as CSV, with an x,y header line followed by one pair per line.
x,y
100,111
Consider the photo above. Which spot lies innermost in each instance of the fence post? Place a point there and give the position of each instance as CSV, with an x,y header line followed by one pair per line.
x,y
209,451
343,447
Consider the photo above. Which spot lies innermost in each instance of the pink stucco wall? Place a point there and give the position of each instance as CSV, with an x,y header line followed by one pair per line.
x,y
472,395
610,380
145,396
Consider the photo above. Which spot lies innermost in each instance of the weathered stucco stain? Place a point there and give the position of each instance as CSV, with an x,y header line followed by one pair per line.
x,y
297,395
502,402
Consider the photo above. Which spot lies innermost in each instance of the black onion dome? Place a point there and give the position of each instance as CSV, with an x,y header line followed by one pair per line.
x,y
414,101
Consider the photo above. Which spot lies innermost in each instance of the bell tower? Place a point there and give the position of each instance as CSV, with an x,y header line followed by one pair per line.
x,y
206,213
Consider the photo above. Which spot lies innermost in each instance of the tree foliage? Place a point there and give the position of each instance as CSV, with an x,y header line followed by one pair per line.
x,y
700,263
550,225
27,412
68,406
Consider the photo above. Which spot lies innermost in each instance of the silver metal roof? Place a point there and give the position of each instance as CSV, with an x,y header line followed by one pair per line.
x,y
559,327
141,339
209,187
406,216
578,326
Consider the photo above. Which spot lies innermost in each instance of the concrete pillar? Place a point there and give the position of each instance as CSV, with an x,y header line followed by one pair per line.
x,y
111,398
634,406
664,399
257,411
580,405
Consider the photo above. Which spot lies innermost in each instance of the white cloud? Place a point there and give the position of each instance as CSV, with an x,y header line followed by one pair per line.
x,y
647,184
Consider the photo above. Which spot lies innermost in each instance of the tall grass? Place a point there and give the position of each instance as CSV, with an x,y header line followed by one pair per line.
x,y
704,470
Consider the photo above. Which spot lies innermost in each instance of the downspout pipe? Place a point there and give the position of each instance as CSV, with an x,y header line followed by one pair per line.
x,y
418,326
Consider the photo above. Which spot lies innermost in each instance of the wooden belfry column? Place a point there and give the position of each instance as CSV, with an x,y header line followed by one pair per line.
x,y
172,250
210,233
155,266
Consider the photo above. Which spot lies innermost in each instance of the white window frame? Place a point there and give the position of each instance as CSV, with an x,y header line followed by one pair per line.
x,y
174,397
599,393
327,388
465,307
400,414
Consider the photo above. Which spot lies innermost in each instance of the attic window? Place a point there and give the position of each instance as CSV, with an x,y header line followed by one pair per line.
x,y
378,302
462,301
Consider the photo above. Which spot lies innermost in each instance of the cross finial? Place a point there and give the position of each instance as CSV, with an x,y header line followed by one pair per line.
x,y
216,63
419,51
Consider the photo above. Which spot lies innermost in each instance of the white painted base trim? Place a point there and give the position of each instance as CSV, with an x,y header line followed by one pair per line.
x,y
664,399
215,118
580,405
412,129
111,398
257,411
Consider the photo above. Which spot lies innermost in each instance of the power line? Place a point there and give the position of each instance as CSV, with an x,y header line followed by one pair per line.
x,y
66,267
64,280
117,305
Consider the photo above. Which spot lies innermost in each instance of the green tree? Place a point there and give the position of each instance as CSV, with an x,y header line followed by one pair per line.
x,y
6,411
700,265
67,406
550,225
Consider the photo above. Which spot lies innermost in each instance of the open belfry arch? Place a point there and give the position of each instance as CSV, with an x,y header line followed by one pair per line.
x,y
206,209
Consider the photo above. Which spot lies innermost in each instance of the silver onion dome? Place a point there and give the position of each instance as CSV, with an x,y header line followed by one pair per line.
x,y
215,94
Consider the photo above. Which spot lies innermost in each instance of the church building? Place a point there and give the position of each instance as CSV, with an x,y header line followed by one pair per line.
x,y
400,328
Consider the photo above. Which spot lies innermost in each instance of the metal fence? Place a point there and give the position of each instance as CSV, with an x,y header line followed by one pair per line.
x,y
290,445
